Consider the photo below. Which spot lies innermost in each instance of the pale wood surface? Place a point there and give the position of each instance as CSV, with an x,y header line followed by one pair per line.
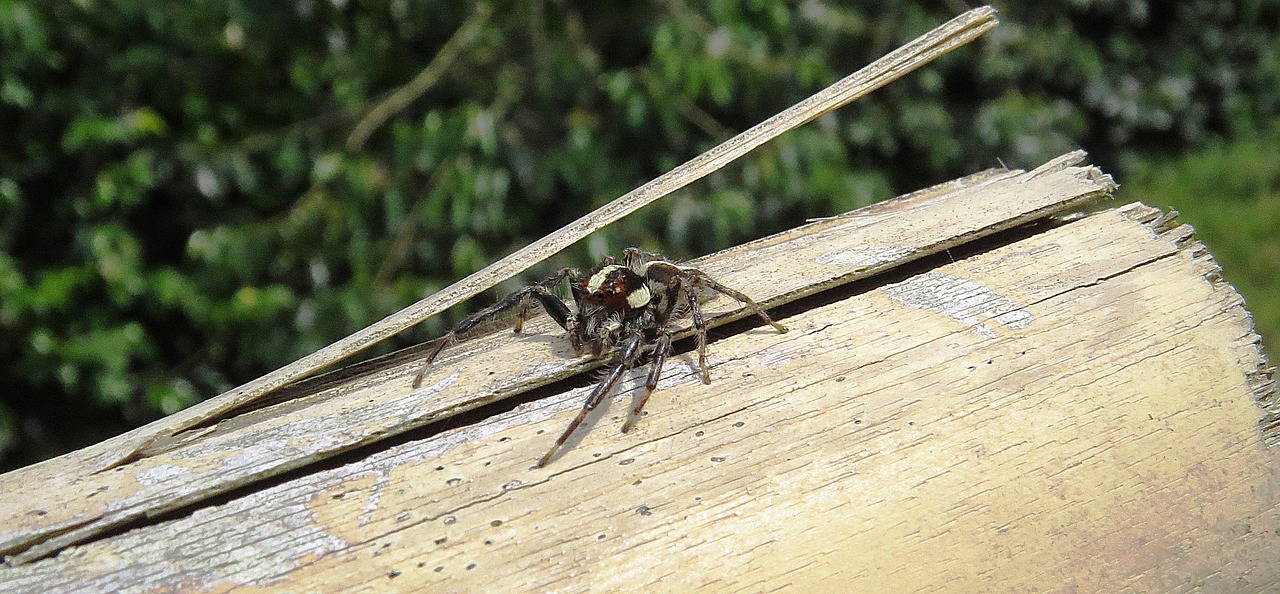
x,y
916,53
1074,408
75,503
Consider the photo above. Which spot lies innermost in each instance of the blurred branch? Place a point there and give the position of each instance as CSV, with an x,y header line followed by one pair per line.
x,y
402,240
405,95
702,120
406,231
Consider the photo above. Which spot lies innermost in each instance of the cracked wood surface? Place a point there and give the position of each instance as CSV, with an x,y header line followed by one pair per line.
x,y
62,502
1075,408
914,54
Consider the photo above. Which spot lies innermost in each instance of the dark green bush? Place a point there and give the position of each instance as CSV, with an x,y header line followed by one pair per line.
x,y
183,205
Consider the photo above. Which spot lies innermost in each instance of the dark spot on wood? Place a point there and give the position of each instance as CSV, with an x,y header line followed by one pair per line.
x,y
638,481
601,537
471,566
441,540
495,523
450,519
488,541
439,568
717,458
453,482
393,574
739,424
626,462
422,564
404,516
439,468
644,510
840,379
698,433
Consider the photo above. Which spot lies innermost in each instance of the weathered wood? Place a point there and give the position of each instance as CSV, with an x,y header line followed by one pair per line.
x,y
63,502
1072,406
1070,410
916,53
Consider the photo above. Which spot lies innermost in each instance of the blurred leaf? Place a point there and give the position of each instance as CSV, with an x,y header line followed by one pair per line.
x,y
1230,193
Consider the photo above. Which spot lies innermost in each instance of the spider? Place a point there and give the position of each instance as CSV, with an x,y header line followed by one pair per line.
x,y
621,309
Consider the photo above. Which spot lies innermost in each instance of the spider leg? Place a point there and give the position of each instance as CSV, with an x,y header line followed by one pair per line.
x,y
625,360
665,271
633,257
555,307
541,291
700,278
655,370
700,324
552,304
524,312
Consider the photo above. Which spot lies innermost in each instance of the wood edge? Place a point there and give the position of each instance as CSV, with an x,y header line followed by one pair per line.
x,y
925,48
1260,375
143,441
146,441
310,387
968,183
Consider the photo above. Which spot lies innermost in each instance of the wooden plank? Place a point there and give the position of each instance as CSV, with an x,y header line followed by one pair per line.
x,y
916,53
1073,410
62,502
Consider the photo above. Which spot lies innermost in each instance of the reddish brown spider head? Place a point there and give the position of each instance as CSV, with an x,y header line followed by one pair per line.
x,y
617,288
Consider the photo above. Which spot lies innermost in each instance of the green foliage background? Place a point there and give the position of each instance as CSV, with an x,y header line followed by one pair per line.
x,y
183,208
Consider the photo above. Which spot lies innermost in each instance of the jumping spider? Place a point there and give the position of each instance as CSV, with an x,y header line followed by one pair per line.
x,y
625,309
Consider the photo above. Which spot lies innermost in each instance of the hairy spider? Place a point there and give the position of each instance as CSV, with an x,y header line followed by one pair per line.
x,y
622,309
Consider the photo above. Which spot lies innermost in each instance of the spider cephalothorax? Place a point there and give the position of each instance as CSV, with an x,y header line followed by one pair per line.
x,y
623,309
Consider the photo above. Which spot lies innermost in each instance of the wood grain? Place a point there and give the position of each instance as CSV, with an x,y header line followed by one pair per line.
x,y
62,502
1070,409
918,52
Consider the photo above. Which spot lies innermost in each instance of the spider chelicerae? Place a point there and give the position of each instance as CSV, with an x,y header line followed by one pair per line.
x,y
623,309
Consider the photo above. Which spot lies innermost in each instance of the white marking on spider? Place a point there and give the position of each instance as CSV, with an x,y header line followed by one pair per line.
x,y
597,279
639,297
